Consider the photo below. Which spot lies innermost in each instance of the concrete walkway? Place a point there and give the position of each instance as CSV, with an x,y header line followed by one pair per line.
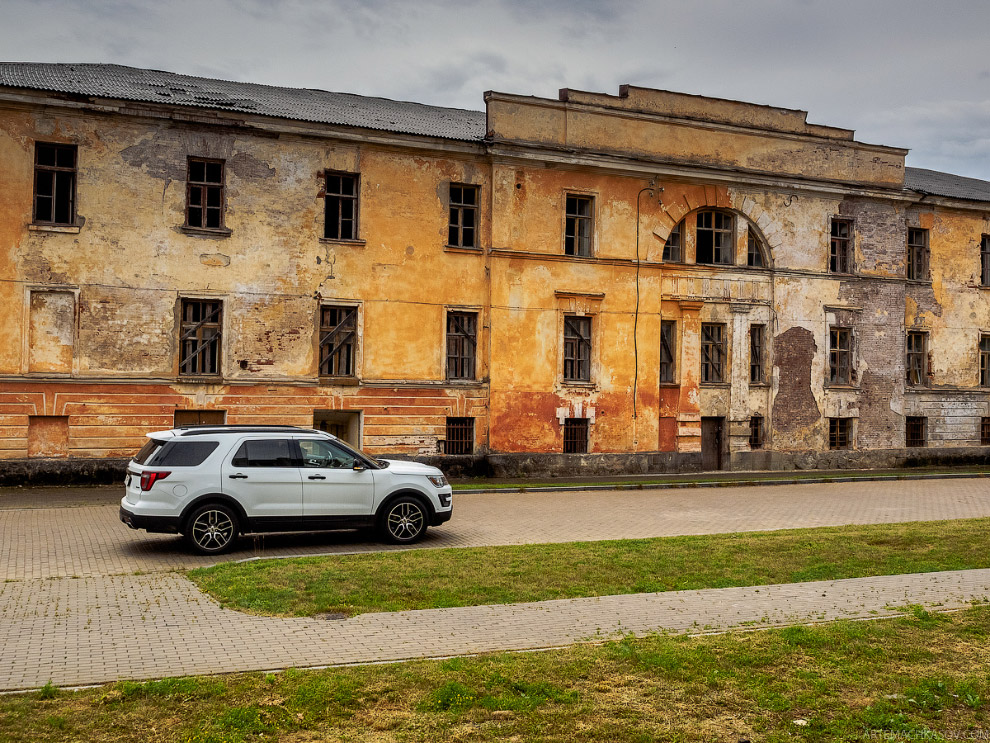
x,y
69,615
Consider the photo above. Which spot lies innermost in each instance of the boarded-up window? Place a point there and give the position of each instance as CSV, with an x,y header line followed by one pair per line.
x,y
712,353
668,344
756,344
200,336
199,418
52,331
577,349
338,341
462,340
48,436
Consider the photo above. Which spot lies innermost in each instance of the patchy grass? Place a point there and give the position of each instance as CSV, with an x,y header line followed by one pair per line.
x,y
427,579
902,679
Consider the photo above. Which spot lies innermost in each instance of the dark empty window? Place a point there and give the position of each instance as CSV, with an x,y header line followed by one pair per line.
x,y
840,246
199,337
341,203
672,248
840,356
668,345
985,360
917,358
916,431
755,254
575,436
204,194
756,432
579,223
463,229
265,453
985,260
714,237
460,436
756,364
338,341
984,431
185,453
577,349
712,353
917,254
839,433
462,343
54,184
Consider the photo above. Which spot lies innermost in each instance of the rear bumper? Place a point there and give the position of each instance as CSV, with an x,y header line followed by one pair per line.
x,y
156,524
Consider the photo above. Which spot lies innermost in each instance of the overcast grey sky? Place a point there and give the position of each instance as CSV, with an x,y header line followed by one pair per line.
x,y
908,73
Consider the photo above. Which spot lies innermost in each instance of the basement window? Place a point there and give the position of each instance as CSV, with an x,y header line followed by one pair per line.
x,y
984,431
839,433
200,336
460,436
575,436
205,194
341,205
756,432
916,431
54,184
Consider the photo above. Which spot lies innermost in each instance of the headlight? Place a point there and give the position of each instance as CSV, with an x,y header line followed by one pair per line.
x,y
438,480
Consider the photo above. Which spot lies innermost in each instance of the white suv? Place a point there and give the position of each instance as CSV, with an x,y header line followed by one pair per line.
x,y
211,483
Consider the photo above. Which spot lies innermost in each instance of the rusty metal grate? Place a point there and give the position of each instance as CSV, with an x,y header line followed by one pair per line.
x,y
756,432
916,431
576,436
460,436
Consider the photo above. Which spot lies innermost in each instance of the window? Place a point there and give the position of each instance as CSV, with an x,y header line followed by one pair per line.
x,y
672,248
575,436
185,453
577,349
916,431
840,246
840,356
579,221
668,344
756,432
204,194
755,256
199,337
338,341
265,453
462,342
917,353
985,261
321,454
839,433
985,360
917,254
984,431
714,237
341,205
462,231
712,353
54,184
460,436
756,343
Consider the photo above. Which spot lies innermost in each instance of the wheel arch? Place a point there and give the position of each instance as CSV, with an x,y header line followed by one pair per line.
x,y
406,492
204,500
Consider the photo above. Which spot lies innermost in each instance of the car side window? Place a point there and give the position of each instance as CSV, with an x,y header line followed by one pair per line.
x,y
265,453
325,454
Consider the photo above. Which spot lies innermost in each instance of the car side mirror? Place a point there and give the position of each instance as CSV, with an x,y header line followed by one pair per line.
x,y
358,466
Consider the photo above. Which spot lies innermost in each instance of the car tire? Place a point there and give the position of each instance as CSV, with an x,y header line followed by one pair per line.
x,y
403,521
212,529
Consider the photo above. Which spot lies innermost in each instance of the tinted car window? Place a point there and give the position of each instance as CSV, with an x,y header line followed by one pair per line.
x,y
265,453
318,453
150,447
185,453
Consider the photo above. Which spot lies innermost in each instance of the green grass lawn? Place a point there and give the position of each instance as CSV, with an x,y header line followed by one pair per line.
x,y
921,677
426,579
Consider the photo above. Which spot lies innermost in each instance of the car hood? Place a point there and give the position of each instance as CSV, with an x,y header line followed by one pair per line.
x,y
402,467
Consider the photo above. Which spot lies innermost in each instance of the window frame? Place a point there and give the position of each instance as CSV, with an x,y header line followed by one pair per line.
x,y
757,353
204,188
573,222
340,198
985,260
72,173
840,433
917,267
190,347
920,423
839,353
916,359
755,247
840,247
456,212
326,331
572,442
673,247
984,351
985,430
757,432
668,352
728,232
578,348
459,444
712,347
465,365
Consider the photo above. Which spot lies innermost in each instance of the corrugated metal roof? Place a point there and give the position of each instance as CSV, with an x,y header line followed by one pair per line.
x,y
945,184
301,104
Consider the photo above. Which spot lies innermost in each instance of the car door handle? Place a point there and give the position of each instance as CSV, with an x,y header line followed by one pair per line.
x,y
237,477
317,477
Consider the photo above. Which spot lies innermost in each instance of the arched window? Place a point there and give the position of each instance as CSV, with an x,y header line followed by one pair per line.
x,y
756,255
714,237
673,247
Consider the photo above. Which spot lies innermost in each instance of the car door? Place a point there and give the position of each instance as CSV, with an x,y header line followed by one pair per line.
x,y
331,484
263,475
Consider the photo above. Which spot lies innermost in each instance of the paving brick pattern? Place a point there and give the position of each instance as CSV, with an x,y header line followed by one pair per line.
x,y
73,611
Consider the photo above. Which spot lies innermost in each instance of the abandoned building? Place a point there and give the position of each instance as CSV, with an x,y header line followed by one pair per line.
x,y
645,282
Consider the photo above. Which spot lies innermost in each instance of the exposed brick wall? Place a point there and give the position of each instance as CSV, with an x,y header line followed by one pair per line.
x,y
795,407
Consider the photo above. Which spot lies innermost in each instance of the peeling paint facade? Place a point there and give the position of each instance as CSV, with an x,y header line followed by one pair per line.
x,y
650,282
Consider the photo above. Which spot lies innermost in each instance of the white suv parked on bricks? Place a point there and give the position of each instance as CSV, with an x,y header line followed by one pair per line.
x,y
211,483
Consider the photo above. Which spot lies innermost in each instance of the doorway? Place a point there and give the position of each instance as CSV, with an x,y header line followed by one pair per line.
x,y
344,424
712,443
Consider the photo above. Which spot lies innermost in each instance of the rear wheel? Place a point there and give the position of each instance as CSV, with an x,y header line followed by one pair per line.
x,y
212,529
403,521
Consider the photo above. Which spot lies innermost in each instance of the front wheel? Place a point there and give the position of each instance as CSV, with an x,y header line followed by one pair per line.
x,y
404,521
212,529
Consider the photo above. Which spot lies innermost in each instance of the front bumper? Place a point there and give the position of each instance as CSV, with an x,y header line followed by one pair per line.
x,y
154,524
442,517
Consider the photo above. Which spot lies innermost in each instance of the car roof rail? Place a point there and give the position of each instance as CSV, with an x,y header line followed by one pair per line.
x,y
196,430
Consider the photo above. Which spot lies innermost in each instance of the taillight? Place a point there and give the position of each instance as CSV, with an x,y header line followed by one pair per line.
x,y
150,478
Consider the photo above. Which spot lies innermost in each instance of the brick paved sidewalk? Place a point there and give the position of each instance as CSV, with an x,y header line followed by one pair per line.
x,y
92,630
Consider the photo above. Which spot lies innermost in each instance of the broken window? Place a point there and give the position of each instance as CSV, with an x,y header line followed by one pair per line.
x,y
985,360
916,431
840,356
917,358
672,248
839,433
575,436
462,231
756,366
917,254
755,254
985,260
579,221
712,353
460,436
200,334
54,184
840,246
756,432
668,344
577,349
714,237
462,343
341,205
204,194
338,341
